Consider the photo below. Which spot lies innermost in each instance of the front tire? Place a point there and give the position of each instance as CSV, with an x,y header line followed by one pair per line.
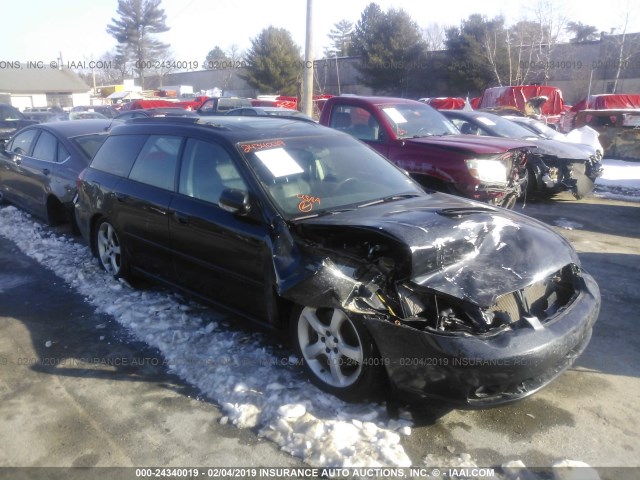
x,y
109,250
339,354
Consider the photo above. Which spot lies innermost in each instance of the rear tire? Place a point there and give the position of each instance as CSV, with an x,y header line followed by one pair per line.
x,y
109,250
339,354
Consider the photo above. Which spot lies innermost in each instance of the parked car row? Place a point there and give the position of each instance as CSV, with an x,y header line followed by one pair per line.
x,y
424,143
303,229
553,166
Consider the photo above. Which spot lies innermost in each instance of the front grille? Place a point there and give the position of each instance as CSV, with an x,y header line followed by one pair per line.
x,y
541,299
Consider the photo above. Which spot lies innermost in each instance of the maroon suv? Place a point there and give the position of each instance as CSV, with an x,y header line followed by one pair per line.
x,y
424,143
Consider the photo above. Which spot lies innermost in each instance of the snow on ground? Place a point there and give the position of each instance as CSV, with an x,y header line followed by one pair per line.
x,y
255,385
620,180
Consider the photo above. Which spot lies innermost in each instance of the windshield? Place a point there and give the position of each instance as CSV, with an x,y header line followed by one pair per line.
x,y
547,131
504,127
324,174
410,120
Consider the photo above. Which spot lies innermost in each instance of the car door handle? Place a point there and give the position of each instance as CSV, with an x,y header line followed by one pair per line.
x,y
46,171
121,197
181,218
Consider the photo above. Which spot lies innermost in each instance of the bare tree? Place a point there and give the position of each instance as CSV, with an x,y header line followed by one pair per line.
x,y
625,48
434,36
552,22
520,40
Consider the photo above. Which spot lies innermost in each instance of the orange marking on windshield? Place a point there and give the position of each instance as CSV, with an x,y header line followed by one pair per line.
x,y
306,202
250,147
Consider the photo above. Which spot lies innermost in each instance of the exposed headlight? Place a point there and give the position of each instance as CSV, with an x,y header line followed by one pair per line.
x,y
487,170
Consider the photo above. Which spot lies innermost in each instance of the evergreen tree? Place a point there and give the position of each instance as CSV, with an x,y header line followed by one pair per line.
x,y
478,54
134,29
391,48
274,63
216,59
581,32
341,36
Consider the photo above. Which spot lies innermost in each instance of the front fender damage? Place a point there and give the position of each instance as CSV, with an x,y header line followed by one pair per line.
x,y
460,282
308,274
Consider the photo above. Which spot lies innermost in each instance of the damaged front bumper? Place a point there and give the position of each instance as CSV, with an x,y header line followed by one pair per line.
x,y
486,370
553,175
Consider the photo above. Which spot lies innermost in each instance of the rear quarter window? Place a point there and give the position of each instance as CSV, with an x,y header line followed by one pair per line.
x,y
117,154
156,164
89,144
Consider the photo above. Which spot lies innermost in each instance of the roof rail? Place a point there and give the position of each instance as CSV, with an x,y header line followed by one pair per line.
x,y
166,119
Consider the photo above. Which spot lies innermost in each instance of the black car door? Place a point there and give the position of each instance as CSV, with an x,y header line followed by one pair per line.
x,y
219,255
142,203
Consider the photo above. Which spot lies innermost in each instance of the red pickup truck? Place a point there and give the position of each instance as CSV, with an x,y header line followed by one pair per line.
x,y
424,143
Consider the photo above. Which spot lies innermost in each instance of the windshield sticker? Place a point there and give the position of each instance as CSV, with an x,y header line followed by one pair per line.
x,y
252,147
279,162
306,202
486,121
394,115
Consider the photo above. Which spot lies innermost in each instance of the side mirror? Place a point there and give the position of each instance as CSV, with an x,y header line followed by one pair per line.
x,y
235,201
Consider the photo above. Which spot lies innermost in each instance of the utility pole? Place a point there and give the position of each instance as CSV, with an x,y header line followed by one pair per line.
x,y
307,79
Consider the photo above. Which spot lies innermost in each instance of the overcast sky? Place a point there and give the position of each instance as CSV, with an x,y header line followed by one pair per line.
x,y
41,30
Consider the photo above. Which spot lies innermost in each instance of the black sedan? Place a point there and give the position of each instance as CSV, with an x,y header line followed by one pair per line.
x,y
40,165
375,280
552,166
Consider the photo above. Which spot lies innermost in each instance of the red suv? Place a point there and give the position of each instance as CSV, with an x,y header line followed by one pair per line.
x,y
423,142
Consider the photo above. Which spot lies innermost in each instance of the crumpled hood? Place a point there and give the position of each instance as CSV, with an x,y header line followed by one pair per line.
x,y
563,150
462,248
473,144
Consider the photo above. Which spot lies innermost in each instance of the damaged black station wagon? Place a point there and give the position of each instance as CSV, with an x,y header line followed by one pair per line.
x,y
308,231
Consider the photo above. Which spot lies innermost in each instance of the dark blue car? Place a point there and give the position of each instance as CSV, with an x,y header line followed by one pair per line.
x,y
40,164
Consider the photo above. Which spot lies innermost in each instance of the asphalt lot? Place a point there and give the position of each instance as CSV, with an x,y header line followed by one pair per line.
x,y
81,412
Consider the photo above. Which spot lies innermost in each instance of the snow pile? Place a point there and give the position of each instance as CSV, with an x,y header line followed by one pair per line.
x,y
620,180
256,387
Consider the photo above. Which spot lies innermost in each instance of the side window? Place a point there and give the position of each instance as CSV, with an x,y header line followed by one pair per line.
x,y
355,121
207,169
21,143
117,154
365,125
208,106
467,128
46,147
63,153
156,163
340,118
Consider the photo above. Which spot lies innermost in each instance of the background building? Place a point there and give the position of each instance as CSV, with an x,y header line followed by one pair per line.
x,y
26,86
